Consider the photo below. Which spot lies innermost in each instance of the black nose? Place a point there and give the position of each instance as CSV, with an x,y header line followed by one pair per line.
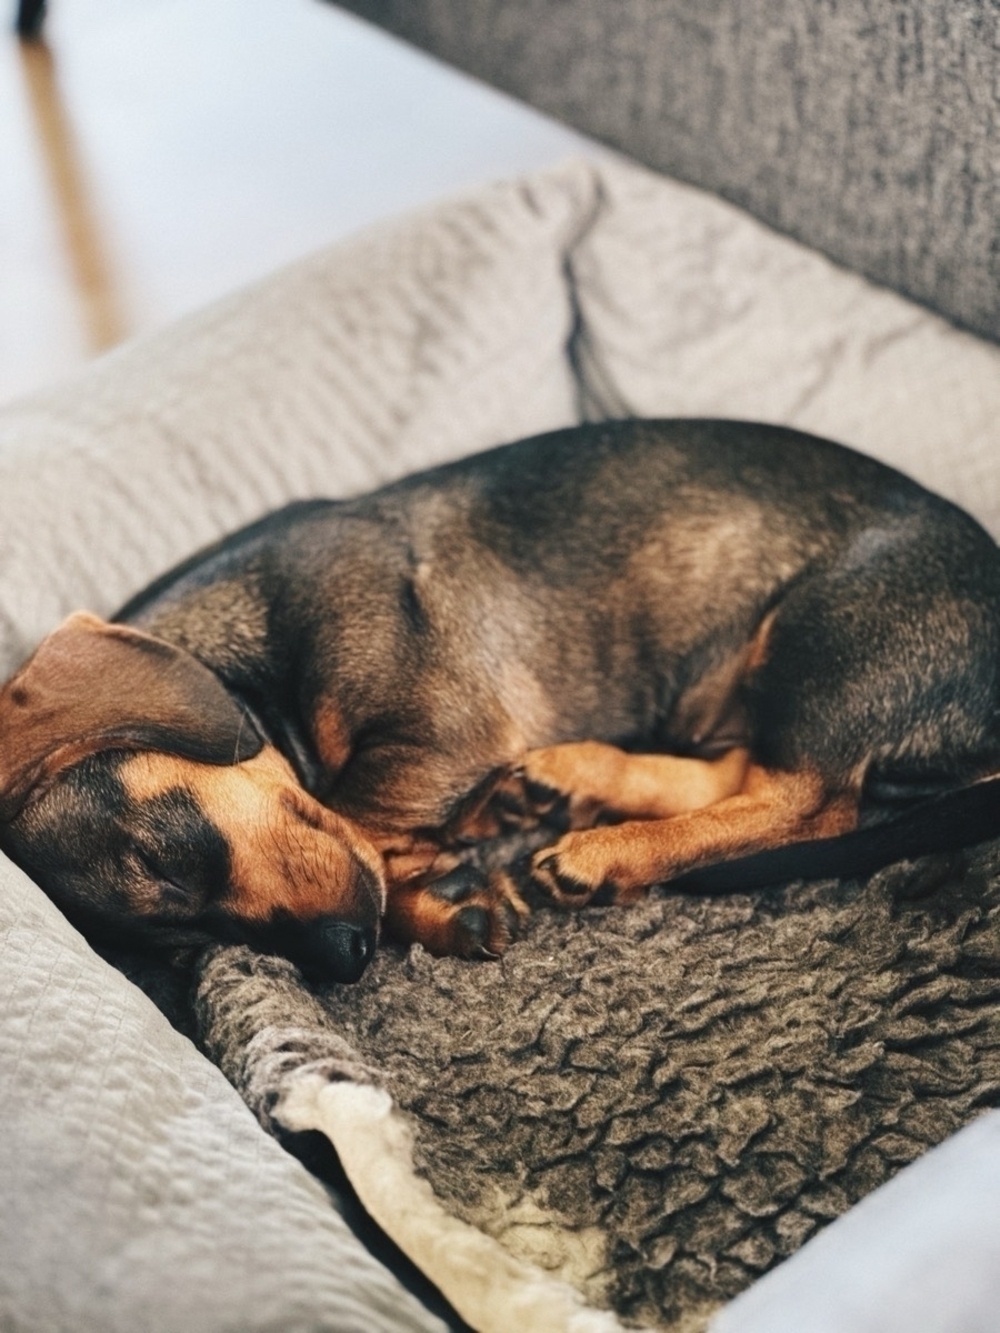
x,y
342,951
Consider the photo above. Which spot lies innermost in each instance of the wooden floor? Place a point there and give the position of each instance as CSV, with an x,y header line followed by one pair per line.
x,y
155,154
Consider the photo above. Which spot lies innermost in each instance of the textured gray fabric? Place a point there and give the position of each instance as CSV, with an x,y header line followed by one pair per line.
x,y
139,1195
705,1082
866,129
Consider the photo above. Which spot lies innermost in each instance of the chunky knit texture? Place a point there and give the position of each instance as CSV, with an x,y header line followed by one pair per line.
x,y
704,1082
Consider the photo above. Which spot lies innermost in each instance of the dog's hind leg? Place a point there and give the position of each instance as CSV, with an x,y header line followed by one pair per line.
x,y
619,862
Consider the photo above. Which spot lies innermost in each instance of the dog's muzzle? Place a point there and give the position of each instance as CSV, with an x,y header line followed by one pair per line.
x,y
330,947
325,948
339,950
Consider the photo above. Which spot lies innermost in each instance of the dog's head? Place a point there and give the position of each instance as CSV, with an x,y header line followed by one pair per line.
x,y
138,793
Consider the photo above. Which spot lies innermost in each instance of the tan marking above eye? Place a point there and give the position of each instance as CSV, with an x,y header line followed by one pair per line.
x,y
149,774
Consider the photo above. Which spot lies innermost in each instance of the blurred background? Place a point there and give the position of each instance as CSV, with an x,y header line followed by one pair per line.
x,y
155,154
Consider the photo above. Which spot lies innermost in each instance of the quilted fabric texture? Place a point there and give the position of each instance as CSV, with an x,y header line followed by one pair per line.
x,y
865,129
138,1191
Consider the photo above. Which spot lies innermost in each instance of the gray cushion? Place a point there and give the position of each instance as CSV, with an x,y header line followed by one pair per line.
x,y
139,1193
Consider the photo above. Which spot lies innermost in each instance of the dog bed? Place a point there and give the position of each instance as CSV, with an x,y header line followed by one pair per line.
x,y
801,1045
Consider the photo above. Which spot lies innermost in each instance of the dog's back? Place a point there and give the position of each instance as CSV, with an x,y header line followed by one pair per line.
x,y
626,567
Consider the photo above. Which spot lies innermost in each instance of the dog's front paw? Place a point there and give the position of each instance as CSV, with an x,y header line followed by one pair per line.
x,y
515,804
463,914
528,797
588,866
561,875
482,915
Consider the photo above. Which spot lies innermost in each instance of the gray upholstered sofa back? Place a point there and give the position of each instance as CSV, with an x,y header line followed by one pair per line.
x,y
866,128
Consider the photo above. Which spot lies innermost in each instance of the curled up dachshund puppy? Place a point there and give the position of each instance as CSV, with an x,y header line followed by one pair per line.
x,y
693,648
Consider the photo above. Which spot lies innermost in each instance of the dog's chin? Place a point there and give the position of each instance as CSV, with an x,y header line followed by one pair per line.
x,y
172,942
325,949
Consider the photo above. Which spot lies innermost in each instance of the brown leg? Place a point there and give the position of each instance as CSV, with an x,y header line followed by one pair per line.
x,y
597,779
460,914
578,783
624,860
453,909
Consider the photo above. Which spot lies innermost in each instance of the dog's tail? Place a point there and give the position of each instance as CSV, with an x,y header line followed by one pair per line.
x,y
953,819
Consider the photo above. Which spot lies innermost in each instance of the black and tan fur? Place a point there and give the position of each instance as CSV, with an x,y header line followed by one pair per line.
x,y
685,642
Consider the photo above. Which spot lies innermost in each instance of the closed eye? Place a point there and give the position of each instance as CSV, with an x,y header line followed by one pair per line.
x,y
174,895
169,891
181,850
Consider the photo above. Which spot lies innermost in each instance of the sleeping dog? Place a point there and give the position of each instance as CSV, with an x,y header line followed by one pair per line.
x,y
680,643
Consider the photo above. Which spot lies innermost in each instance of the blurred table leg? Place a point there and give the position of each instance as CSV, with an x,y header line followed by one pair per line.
x,y
98,300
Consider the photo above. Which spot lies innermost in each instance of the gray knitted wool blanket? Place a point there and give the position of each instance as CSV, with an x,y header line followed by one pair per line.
x,y
644,1108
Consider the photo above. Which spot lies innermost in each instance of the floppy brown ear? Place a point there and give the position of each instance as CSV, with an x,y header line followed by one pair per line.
x,y
93,686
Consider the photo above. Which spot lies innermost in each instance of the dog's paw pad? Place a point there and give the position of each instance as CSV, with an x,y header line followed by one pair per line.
x,y
458,886
473,930
483,915
485,929
552,871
